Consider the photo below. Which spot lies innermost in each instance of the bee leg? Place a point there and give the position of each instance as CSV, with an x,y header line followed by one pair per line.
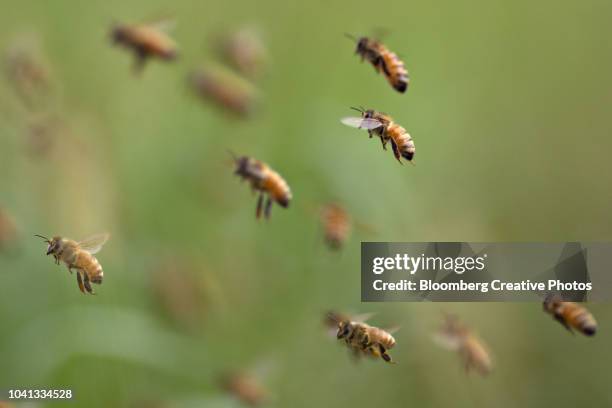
x,y
259,205
396,152
87,284
561,320
80,281
139,61
383,353
268,208
383,142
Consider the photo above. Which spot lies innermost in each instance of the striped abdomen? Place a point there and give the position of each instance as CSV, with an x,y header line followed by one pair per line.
x,y
394,70
276,187
382,337
337,226
578,317
402,141
88,263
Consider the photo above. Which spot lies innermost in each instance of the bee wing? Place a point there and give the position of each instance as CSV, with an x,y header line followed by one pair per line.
x,y
364,317
393,330
94,243
361,123
162,23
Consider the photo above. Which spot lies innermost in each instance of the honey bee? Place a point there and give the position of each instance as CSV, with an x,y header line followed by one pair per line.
x,y
571,315
79,256
336,224
243,50
454,335
226,90
266,181
246,388
360,336
382,125
8,230
145,41
383,61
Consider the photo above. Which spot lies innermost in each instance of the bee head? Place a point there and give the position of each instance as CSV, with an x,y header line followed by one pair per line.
x,y
118,33
344,329
54,244
241,163
551,301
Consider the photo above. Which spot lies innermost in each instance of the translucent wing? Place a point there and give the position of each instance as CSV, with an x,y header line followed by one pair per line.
x,y
393,330
362,318
361,123
94,243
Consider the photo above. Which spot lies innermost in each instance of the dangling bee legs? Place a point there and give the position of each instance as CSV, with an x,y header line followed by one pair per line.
x,y
87,284
259,206
383,353
396,152
268,208
561,320
80,281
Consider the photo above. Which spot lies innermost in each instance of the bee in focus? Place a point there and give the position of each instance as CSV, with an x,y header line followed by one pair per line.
x,y
571,315
79,256
383,61
383,126
362,337
336,224
456,336
8,230
246,388
226,90
244,50
266,181
145,41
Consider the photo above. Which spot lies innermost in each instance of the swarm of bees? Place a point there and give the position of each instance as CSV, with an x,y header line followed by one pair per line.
x,y
456,336
79,256
264,180
146,41
571,315
362,338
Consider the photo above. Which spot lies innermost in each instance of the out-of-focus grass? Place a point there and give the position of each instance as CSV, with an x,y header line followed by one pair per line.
x,y
508,108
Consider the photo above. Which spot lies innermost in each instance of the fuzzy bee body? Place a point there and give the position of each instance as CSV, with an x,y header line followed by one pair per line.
x,y
384,61
265,180
383,126
571,315
368,339
79,256
145,41
336,224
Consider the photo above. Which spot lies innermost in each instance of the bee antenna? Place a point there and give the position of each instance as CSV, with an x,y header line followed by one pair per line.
x,y
233,155
360,109
351,37
40,236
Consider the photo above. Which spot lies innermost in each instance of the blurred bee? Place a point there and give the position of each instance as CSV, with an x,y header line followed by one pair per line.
x,y
336,224
455,336
246,388
27,71
8,230
571,315
244,50
360,336
226,90
80,256
382,125
266,181
145,41
383,61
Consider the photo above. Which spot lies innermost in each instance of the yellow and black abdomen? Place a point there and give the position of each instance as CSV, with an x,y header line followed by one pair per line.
x,y
402,140
394,70
90,266
579,318
276,187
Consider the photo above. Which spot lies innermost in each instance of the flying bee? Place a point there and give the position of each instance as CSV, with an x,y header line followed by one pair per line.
x,y
226,90
244,50
571,315
246,388
383,126
79,256
336,224
266,181
383,61
145,41
456,336
360,336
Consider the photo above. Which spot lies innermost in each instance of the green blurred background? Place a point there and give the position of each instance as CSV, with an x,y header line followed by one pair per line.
x,y
509,107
